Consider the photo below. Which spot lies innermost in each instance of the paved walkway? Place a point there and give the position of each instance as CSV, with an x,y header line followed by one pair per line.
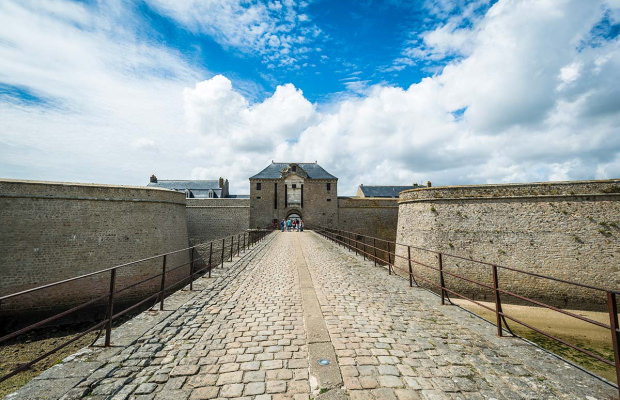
x,y
258,329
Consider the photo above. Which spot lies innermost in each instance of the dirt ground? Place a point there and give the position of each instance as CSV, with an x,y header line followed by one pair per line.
x,y
579,333
33,345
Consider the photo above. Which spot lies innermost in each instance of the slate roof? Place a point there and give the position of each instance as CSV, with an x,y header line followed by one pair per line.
x,y
191,185
273,170
384,191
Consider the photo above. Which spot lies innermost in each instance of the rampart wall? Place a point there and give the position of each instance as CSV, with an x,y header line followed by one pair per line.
x,y
210,219
52,231
568,230
370,216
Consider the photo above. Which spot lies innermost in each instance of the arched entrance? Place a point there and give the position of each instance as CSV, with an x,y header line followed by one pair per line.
x,y
293,214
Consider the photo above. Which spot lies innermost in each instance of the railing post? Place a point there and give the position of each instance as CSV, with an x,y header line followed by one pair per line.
x,y
355,241
210,255
108,325
410,269
232,242
389,258
191,269
498,303
364,247
223,247
244,242
163,285
238,244
442,284
374,246
615,336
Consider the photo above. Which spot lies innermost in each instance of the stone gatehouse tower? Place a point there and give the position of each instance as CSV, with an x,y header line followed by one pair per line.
x,y
293,189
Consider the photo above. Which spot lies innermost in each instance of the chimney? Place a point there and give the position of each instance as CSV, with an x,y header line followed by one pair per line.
x,y
221,182
428,184
153,179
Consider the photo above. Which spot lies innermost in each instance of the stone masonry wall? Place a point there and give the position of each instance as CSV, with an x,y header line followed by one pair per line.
x,y
567,230
368,216
210,219
52,231
320,206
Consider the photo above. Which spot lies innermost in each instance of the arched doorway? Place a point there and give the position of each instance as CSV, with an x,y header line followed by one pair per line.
x,y
293,214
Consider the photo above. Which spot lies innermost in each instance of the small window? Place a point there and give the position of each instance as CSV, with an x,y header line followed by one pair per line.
x,y
258,185
329,199
258,197
329,187
294,186
294,170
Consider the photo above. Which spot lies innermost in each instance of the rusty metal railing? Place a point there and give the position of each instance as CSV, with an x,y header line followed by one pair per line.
x,y
370,246
234,244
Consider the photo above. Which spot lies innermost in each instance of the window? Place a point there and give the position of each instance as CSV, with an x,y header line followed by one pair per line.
x,y
294,186
258,198
258,185
329,187
294,168
329,199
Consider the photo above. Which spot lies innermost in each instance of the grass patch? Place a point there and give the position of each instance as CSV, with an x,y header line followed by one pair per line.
x,y
32,345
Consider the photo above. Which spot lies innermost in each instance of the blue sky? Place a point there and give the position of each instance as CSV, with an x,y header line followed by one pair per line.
x,y
348,45
379,92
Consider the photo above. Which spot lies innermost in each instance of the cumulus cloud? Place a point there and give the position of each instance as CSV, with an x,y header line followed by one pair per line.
x,y
516,108
531,96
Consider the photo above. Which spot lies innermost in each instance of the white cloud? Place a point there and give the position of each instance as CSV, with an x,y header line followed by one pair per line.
x,y
276,30
517,125
106,100
535,102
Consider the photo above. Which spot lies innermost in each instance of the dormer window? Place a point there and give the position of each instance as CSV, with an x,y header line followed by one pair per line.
x,y
294,186
294,168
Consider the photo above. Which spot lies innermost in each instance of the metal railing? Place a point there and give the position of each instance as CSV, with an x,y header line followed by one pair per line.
x,y
384,252
234,244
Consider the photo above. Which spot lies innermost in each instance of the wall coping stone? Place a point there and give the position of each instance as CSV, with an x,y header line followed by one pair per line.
x,y
542,190
15,188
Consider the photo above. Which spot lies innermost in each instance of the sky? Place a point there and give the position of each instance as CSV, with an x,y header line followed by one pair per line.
x,y
377,92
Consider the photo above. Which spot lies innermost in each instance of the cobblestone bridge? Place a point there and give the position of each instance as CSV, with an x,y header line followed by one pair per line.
x,y
259,327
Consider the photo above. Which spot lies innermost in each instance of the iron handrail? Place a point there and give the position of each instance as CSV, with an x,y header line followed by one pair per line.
x,y
344,238
253,237
476,261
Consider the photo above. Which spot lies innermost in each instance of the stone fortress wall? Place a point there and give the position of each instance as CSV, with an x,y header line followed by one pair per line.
x,y
567,230
210,219
52,231
375,217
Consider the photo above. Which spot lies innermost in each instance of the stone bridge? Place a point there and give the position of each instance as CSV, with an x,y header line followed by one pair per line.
x,y
298,317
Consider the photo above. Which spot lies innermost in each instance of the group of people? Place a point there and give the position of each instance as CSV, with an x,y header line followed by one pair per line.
x,y
292,225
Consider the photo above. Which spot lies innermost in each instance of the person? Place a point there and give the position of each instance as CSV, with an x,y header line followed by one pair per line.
x,y
288,225
294,224
282,225
301,225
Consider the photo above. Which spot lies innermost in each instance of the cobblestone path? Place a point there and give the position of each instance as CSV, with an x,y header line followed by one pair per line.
x,y
250,332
